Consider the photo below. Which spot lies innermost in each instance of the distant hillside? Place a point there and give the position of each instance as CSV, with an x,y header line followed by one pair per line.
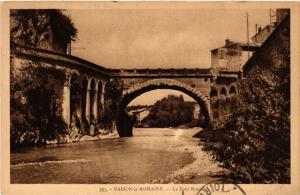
x,y
171,111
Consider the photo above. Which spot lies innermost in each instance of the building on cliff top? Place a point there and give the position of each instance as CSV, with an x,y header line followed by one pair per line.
x,y
276,17
232,56
274,53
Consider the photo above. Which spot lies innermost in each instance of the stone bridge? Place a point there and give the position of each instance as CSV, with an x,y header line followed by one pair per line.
x,y
214,92
86,84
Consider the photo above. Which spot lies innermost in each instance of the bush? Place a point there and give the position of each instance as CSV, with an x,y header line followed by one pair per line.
x,y
254,143
36,28
35,104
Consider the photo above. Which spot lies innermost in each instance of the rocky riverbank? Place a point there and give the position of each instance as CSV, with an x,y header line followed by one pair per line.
x,y
79,138
202,170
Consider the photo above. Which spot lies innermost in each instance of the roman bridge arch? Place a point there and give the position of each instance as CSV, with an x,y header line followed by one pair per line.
x,y
200,95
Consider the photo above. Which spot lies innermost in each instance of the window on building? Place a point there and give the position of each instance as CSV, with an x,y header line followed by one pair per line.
x,y
222,54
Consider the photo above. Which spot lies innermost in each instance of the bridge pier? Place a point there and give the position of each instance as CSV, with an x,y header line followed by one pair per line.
x,y
87,104
103,92
95,107
124,124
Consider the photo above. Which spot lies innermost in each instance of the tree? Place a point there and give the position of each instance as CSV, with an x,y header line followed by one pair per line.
x,y
170,112
41,28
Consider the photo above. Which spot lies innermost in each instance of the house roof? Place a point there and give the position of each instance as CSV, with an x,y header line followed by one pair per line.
x,y
245,46
270,26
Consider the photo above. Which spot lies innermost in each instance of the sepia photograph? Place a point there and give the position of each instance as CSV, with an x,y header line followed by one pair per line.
x,y
150,95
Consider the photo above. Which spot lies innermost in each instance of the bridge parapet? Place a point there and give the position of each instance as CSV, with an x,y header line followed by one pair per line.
x,y
234,74
171,72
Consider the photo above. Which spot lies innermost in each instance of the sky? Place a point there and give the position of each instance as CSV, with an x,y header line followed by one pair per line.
x,y
158,38
150,97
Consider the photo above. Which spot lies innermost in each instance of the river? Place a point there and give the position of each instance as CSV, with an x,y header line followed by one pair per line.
x,y
148,155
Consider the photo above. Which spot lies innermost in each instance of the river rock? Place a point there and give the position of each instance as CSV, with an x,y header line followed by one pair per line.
x,y
87,138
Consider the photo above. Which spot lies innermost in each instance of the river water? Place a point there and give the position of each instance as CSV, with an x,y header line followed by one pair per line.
x,y
146,156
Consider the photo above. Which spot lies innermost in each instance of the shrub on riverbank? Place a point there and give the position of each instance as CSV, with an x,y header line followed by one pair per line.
x,y
35,96
254,143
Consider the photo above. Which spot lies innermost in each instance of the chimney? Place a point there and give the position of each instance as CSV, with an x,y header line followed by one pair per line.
x,y
227,41
255,28
259,29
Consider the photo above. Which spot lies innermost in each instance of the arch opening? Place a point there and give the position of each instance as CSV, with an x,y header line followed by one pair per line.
x,y
223,92
214,92
233,97
223,101
92,101
232,90
125,129
75,98
214,95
